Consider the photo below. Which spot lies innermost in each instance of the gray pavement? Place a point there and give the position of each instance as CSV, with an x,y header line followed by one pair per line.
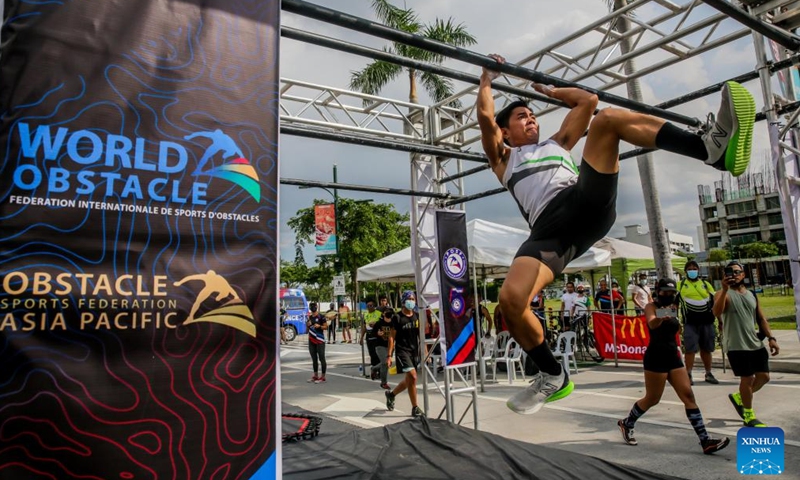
x,y
584,422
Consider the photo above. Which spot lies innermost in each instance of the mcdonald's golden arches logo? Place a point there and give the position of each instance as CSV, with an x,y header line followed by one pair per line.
x,y
629,325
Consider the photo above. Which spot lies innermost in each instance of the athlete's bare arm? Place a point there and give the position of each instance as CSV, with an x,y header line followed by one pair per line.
x,y
491,136
582,104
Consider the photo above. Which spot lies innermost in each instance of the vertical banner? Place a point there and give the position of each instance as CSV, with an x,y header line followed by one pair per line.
x,y
138,242
325,229
454,286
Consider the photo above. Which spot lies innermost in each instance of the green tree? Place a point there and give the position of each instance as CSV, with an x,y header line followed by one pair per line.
x,y
293,275
758,251
377,74
688,256
367,232
718,256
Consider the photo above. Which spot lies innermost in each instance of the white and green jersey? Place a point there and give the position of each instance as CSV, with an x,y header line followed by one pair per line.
x,y
537,173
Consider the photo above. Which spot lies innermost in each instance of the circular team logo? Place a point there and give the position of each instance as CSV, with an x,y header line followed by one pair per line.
x,y
457,306
454,263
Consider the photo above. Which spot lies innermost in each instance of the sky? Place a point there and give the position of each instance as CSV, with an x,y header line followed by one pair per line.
x,y
515,30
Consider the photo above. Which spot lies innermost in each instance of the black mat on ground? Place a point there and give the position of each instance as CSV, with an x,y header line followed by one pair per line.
x,y
424,449
330,426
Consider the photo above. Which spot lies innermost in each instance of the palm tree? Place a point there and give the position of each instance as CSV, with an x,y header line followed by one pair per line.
x,y
377,74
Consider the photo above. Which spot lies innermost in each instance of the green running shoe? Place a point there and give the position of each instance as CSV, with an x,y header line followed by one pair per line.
x,y
730,138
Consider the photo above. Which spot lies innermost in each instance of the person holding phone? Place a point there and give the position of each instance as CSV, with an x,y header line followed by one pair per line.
x,y
749,359
662,363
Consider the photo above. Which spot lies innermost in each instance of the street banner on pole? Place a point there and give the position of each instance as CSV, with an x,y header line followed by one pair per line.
x,y
325,229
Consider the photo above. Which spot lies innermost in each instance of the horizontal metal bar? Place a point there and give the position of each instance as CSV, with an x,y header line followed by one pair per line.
x,y
463,174
363,25
788,40
376,54
379,143
362,188
285,119
469,198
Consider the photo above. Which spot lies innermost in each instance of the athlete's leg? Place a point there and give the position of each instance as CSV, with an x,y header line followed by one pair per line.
x,y
726,146
653,389
527,277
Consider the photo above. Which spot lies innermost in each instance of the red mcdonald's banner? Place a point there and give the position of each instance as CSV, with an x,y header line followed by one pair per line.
x,y
633,336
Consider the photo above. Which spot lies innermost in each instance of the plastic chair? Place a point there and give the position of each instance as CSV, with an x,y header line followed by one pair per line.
x,y
489,350
512,356
565,348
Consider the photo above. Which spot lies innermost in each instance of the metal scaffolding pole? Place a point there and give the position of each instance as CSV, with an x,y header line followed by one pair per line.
x,y
363,25
363,188
652,203
380,143
788,40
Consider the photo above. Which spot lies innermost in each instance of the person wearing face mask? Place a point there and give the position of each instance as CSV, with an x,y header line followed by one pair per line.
x,y
316,324
640,294
662,362
696,302
404,345
382,330
741,315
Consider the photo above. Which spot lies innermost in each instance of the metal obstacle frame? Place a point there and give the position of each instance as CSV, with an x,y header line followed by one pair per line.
x,y
438,136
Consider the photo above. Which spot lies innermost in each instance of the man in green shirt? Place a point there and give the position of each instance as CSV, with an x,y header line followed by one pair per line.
x,y
749,360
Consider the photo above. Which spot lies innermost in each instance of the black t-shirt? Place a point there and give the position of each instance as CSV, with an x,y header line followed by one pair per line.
x,y
407,332
315,323
283,317
382,326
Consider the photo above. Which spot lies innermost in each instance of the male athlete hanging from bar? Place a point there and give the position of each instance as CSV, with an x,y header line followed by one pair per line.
x,y
568,212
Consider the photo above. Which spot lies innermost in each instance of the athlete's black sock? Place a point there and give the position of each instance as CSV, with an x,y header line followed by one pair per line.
x,y
680,141
696,419
634,415
544,359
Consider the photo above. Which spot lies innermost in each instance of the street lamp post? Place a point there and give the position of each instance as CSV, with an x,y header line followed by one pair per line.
x,y
337,264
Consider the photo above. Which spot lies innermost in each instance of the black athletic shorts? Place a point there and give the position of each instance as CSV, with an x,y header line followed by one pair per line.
x,y
662,360
746,363
407,360
574,220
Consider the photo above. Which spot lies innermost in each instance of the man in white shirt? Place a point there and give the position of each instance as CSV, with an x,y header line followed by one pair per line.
x,y
567,302
640,294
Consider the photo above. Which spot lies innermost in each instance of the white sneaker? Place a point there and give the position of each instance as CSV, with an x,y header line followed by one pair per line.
x,y
543,388
729,140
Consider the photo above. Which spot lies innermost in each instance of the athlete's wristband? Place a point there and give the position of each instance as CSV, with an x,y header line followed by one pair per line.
x,y
772,339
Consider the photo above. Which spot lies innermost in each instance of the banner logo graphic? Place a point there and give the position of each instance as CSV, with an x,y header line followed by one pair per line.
x,y
759,451
457,303
454,263
232,313
237,170
631,323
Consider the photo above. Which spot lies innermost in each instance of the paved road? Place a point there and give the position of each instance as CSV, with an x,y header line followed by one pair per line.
x,y
583,422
